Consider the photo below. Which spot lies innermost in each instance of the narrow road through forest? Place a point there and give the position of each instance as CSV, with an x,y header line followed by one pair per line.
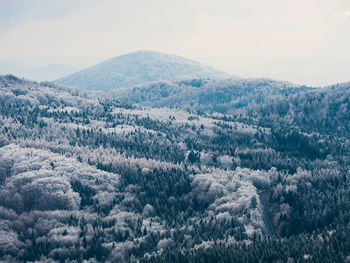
x,y
270,230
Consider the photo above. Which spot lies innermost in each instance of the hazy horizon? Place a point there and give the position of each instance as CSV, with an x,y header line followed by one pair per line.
x,y
297,41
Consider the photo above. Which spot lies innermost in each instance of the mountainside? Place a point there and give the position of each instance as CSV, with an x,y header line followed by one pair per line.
x,y
138,68
205,95
84,178
102,181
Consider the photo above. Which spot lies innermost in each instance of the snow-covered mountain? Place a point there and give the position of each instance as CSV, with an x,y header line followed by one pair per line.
x,y
139,68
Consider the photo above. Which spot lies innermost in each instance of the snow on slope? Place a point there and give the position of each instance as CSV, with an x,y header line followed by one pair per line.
x,y
138,68
180,117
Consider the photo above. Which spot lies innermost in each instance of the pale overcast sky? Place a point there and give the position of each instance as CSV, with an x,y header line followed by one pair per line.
x,y
302,41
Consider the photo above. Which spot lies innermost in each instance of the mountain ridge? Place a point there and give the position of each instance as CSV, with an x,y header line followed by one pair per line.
x,y
218,95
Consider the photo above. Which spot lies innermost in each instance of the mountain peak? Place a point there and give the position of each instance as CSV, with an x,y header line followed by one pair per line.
x,y
137,68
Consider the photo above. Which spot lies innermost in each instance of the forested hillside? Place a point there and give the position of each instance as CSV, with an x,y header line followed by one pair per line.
x,y
100,179
324,110
216,95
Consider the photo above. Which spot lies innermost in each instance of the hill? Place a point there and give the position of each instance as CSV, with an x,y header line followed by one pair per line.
x,y
217,95
138,68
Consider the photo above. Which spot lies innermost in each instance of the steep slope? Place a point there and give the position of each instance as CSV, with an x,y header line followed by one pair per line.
x,y
138,68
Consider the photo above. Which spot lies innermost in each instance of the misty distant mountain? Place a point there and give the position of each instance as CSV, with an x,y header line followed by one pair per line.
x,y
34,70
139,68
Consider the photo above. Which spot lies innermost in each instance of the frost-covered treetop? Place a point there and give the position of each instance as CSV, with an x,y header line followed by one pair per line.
x,y
14,90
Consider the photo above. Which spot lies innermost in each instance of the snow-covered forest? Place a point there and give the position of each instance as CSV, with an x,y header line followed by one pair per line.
x,y
83,177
